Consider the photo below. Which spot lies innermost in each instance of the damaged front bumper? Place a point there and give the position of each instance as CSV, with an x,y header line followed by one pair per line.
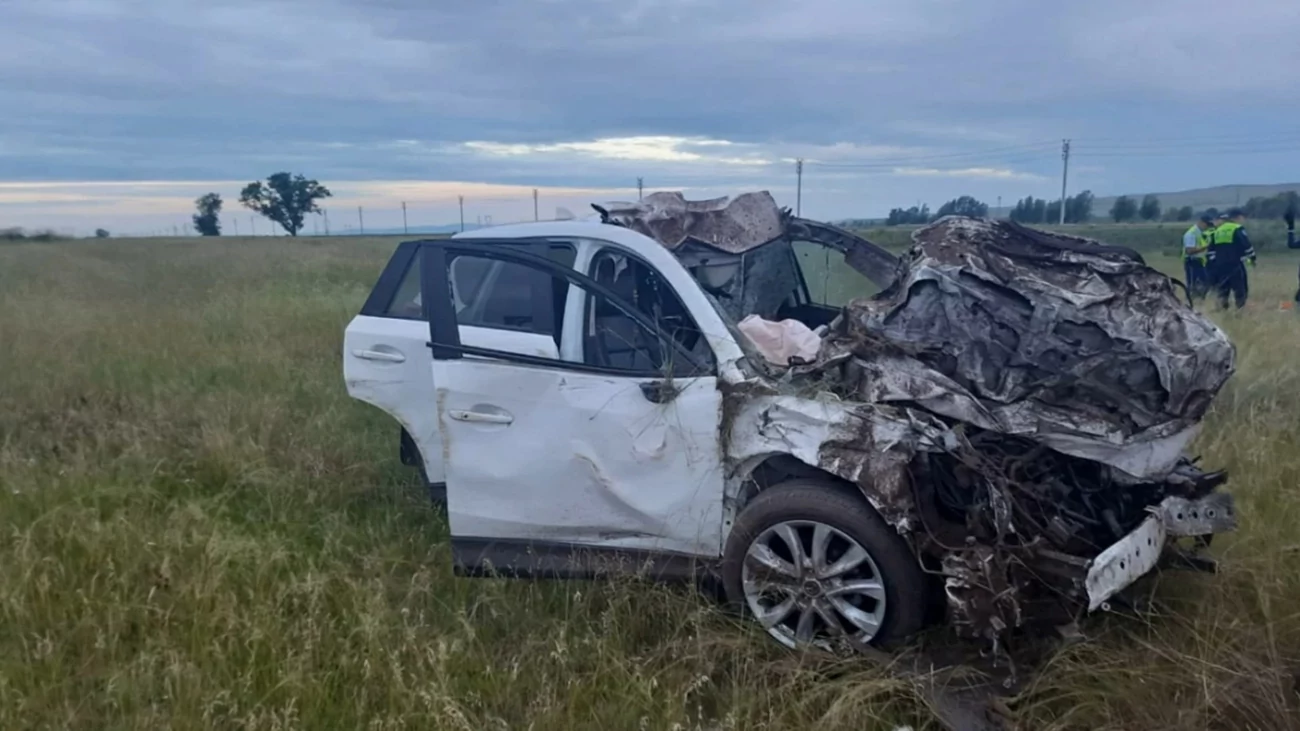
x,y
1136,554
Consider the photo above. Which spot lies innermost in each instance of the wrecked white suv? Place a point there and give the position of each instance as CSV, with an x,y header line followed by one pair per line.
x,y
999,431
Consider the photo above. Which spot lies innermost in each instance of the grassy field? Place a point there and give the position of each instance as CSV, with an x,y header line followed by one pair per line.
x,y
198,529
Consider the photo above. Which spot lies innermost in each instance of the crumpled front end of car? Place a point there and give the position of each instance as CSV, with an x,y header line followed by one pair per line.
x,y
1020,404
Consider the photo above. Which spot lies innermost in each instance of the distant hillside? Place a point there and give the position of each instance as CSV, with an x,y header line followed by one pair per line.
x,y
1222,196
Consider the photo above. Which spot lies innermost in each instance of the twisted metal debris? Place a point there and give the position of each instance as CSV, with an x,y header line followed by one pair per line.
x,y
1014,401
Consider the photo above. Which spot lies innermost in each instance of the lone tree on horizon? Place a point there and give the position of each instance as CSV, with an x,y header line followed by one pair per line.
x,y
208,219
285,199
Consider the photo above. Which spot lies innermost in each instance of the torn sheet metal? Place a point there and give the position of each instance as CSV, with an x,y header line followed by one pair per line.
x,y
733,225
866,445
1077,345
1016,403
741,225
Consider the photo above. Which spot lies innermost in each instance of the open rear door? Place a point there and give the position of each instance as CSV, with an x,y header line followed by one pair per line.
x,y
610,446
386,358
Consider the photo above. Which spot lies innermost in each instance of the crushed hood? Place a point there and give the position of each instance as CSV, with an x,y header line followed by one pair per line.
x,y
1062,340
1077,345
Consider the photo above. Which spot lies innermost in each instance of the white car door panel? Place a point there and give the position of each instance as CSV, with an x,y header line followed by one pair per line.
x,y
387,363
542,451
567,457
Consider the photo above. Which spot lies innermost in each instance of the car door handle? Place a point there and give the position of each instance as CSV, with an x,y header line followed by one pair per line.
x,y
379,355
482,417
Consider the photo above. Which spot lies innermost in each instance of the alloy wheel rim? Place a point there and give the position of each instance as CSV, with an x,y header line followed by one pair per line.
x,y
810,584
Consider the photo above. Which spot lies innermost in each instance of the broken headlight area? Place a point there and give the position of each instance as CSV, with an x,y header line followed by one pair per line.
x,y
1025,533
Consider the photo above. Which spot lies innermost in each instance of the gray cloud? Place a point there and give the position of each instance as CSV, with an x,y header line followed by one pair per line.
x,y
929,98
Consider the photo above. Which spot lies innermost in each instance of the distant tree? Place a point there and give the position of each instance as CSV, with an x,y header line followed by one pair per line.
x,y
1078,208
1185,214
1150,210
963,206
905,216
207,221
1123,210
1023,211
284,199
1030,210
101,233
1052,213
1271,207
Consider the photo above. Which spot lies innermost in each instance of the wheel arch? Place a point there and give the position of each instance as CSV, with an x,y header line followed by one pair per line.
x,y
758,473
764,471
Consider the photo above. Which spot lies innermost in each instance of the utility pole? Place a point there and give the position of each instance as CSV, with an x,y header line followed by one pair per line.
x,y
236,222
404,230
999,205
361,221
535,216
798,187
640,188
252,221
326,215
462,211
1065,174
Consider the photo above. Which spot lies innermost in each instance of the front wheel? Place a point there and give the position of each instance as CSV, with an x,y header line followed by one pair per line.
x,y
817,566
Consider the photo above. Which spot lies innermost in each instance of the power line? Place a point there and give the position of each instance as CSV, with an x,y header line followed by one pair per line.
x,y
1039,147
1194,152
1227,137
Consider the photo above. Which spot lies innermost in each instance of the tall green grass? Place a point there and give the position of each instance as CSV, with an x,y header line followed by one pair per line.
x,y
199,529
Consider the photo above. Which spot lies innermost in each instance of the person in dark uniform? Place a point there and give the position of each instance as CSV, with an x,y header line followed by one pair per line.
x,y
1292,243
1230,248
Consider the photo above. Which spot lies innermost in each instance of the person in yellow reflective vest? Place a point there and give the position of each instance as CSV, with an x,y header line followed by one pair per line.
x,y
1196,242
1230,247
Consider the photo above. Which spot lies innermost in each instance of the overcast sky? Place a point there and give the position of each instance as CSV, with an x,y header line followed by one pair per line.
x,y
118,113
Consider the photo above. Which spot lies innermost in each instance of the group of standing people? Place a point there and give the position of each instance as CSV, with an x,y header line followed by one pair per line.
x,y
1215,252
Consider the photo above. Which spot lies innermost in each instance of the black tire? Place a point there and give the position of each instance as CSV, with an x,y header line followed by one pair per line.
x,y
907,587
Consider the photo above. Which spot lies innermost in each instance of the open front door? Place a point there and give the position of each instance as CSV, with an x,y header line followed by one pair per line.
x,y
611,443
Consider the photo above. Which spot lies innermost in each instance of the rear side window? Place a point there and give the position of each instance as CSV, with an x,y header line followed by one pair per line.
x,y
642,330
396,293
406,302
509,295
487,293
